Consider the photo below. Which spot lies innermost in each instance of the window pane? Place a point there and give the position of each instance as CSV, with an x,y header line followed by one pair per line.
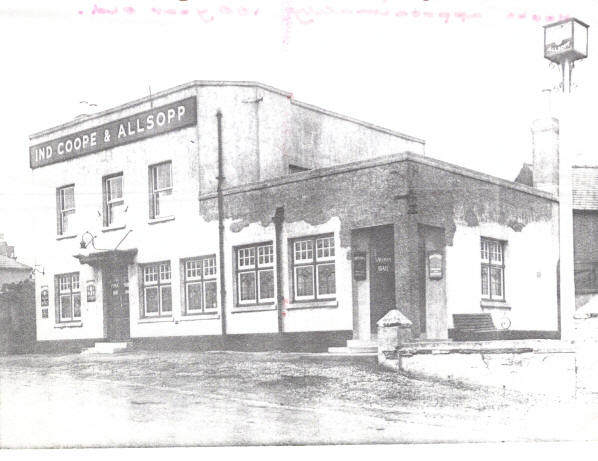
x,y
67,221
247,257
484,250
116,213
247,286
485,281
77,305
194,298
304,278
162,176
211,295
304,250
150,274
209,267
152,303
265,255
75,281
65,283
166,299
326,279
164,203
496,282
193,268
115,190
325,247
65,307
266,284
68,198
165,271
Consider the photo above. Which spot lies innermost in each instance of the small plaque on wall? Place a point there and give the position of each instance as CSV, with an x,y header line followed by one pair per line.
x,y
359,265
44,296
435,265
91,291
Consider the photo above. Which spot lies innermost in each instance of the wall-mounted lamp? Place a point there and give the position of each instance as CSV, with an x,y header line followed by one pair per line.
x,y
83,243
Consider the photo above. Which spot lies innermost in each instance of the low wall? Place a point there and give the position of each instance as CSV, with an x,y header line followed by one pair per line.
x,y
546,367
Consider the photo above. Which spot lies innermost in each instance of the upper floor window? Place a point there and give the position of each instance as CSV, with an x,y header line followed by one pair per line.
x,y
68,297
160,177
157,289
493,269
255,274
314,273
65,209
114,204
200,285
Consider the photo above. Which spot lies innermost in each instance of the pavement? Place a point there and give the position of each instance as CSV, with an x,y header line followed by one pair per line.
x,y
149,399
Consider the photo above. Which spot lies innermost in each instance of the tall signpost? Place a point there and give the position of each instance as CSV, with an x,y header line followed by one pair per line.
x,y
564,43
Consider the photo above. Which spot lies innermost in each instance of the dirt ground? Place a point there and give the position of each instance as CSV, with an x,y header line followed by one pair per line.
x,y
220,398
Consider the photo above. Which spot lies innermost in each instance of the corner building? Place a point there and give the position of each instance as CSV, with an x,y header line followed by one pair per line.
x,y
318,226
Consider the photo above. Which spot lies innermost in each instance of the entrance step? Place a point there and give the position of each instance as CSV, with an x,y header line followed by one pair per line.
x,y
106,348
356,347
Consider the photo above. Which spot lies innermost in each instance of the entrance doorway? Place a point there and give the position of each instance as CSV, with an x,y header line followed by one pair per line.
x,y
382,273
116,302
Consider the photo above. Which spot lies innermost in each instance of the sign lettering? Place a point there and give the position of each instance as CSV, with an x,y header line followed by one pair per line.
x,y
359,265
150,123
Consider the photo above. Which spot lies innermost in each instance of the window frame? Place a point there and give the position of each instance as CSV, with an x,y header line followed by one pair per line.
x,y
154,191
256,269
159,284
201,280
61,211
315,262
489,263
108,201
70,292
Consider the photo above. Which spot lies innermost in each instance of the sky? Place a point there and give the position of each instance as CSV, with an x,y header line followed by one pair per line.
x,y
465,75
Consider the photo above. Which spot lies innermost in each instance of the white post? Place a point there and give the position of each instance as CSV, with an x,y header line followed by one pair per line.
x,y
567,284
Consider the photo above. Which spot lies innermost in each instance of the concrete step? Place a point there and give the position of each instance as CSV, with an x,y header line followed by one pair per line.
x,y
368,350
106,348
354,343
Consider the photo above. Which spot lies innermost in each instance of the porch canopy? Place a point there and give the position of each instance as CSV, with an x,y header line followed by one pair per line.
x,y
108,257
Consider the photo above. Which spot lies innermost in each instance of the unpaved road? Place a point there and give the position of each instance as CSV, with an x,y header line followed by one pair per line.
x,y
182,399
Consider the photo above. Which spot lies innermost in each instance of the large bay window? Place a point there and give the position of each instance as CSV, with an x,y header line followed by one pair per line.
x,y
201,294
68,297
255,274
314,273
157,290
493,269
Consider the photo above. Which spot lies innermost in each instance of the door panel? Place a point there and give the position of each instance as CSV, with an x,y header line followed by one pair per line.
x,y
382,270
116,300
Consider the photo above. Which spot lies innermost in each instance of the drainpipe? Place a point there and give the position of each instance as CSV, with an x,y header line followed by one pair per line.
x,y
220,179
278,220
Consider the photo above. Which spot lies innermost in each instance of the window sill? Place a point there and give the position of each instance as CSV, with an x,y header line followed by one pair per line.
x,y
161,219
198,316
254,308
114,228
487,304
75,324
155,320
312,304
67,236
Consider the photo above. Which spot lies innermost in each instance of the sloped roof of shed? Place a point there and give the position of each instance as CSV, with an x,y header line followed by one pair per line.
x,y
585,187
10,263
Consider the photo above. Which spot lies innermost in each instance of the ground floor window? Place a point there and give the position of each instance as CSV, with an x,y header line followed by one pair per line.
x,y
314,270
201,294
68,297
255,274
493,269
157,289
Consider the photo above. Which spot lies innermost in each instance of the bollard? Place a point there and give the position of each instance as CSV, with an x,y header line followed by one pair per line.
x,y
394,329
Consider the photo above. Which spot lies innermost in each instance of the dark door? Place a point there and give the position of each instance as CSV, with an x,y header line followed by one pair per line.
x,y
116,300
382,270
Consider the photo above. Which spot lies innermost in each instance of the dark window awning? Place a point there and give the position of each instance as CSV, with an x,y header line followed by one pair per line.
x,y
99,258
